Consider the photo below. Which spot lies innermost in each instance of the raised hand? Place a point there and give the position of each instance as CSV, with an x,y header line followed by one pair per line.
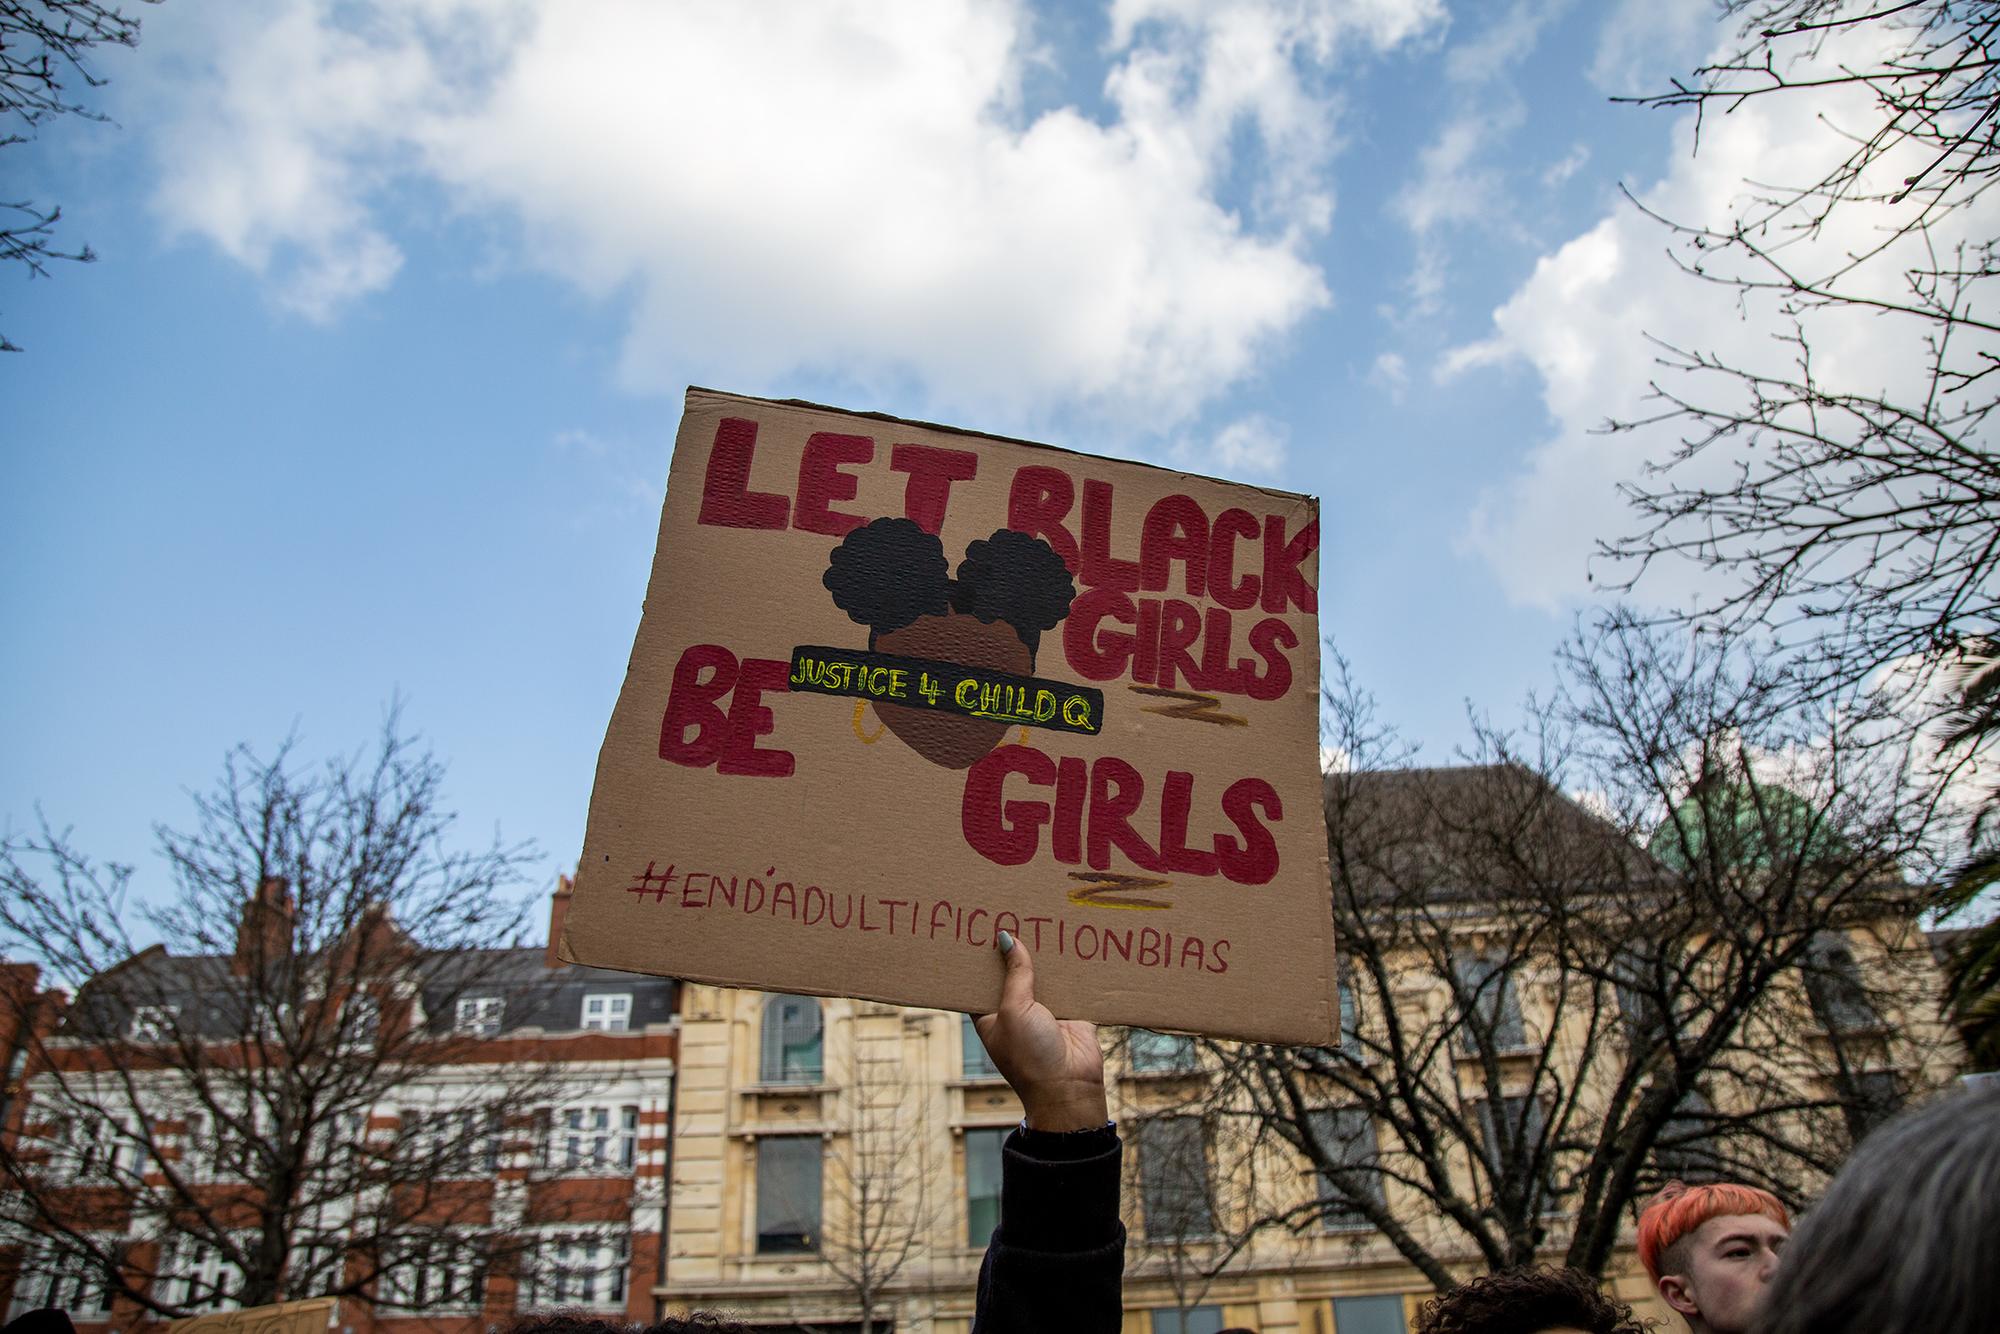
x,y
1053,1064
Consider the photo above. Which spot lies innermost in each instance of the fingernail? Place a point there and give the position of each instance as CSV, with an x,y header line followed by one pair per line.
x,y
1006,942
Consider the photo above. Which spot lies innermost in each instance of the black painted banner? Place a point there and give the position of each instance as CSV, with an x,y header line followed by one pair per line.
x,y
948,687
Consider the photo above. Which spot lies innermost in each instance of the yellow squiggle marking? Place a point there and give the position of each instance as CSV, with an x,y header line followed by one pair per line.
x,y
880,728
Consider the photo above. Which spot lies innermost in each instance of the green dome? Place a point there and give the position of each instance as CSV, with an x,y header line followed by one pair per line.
x,y
1759,828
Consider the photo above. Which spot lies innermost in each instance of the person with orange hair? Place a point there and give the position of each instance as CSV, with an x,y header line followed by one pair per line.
x,y
1711,1252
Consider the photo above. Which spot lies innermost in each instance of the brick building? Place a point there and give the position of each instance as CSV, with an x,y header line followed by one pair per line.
x,y
537,1139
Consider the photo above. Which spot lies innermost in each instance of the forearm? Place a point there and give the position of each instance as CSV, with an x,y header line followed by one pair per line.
x,y
1057,1260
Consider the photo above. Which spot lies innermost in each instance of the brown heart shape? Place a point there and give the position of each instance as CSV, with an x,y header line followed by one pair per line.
x,y
951,739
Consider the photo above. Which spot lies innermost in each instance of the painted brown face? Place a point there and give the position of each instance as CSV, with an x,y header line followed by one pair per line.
x,y
950,739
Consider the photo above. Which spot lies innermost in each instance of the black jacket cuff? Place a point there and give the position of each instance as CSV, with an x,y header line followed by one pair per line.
x,y
1060,1192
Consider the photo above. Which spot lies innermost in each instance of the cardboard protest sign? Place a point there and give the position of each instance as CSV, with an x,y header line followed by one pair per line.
x,y
308,1317
897,687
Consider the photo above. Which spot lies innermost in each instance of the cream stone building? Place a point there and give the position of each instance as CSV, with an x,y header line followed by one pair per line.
x,y
835,1162
826,1146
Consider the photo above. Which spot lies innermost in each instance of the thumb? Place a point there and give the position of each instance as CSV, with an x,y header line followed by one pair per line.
x,y
1017,988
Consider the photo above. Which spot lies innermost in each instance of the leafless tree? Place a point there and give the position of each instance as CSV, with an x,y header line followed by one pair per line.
x,y
1854,518
200,1127
44,49
1550,1007
1860,519
880,1172
1193,1171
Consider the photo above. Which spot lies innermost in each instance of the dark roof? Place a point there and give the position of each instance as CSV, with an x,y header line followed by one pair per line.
x,y
207,993
539,996
1470,830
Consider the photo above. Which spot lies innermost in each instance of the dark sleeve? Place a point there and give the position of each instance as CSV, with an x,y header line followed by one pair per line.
x,y
1057,1260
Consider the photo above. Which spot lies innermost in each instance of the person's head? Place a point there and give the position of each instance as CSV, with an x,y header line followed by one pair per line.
x,y
1711,1251
1904,1238
1527,1301
575,1322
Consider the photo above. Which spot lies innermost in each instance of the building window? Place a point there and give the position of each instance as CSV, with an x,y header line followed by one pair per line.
x,y
1346,1135
1493,1007
1638,979
1173,1179
316,1266
982,1184
596,1140
791,1048
98,1148
1153,1053
1350,1023
976,1063
66,1280
580,1271
1868,1098
609,1011
448,1275
1369,1315
453,1141
1834,986
1685,1147
1187,1320
362,1020
1517,1138
788,1185
480,1016
233,1154
274,1022
154,1023
194,1277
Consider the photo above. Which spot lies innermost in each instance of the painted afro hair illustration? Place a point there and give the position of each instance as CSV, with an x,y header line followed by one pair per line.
x,y
887,573
1018,579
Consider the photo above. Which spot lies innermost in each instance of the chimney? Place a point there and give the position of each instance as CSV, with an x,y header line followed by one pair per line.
x,y
558,911
264,932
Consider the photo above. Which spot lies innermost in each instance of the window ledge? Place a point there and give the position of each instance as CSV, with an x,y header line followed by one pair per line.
x,y
1521,1052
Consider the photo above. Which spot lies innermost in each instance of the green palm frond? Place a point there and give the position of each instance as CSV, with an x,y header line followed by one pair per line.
x,y
1972,966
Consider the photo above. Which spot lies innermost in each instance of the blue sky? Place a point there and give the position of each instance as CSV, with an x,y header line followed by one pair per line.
x,y
373,387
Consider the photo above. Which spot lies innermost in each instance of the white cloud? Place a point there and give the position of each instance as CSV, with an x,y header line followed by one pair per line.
x,y
1390,373
847,188
1645,43
1324,24
1504,43
582,443
274,164
1253,445
1567,166
629,472
1581,322
1457,185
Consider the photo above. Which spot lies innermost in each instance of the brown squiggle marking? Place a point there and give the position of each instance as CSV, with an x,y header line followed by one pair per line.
x,y
1100,887
1201,708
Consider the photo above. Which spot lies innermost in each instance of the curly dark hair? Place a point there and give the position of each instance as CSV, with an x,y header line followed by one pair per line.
x,y
1524,1301
576,1322
887,573
1018,579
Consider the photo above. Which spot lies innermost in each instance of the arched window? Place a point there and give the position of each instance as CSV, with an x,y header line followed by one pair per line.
x,y
791,1041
